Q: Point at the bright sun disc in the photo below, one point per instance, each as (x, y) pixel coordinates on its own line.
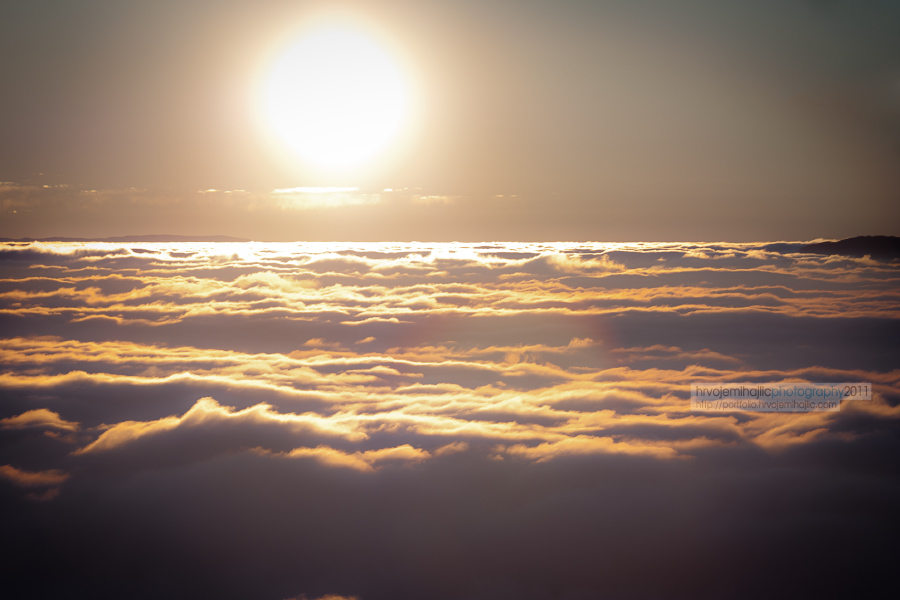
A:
(336, 98)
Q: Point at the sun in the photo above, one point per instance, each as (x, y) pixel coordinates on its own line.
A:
(336, 97)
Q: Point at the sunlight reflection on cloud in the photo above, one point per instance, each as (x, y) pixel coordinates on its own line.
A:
(524, 349)
(287, 404)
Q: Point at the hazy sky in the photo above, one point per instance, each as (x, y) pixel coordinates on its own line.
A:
(533, 120)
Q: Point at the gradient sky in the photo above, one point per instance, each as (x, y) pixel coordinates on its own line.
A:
(606, 120)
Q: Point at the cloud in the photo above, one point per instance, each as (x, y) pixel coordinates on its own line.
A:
(581, 444)
(38, 418)
(306, 198)
(403, 420)
(31, 479)
(315, 190)
(417, 199)
(209, 414)
(360, 461)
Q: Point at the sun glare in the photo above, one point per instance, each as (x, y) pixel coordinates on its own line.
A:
(336, 98)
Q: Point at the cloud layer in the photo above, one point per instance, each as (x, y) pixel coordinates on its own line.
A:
(371, 420)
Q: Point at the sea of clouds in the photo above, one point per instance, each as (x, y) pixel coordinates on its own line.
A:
(412, 420)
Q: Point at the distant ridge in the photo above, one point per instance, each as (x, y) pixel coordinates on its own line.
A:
(136, 238)
(879, 247)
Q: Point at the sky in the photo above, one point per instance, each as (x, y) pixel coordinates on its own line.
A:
(495, 246)
(303, 421)
(527, 121)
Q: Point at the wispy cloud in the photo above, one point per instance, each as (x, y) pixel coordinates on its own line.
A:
(315, 190)
(32, 478)
(417, 199)
(304, 198)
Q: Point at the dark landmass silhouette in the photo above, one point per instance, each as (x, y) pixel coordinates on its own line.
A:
(136, 238)
(879, 247)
